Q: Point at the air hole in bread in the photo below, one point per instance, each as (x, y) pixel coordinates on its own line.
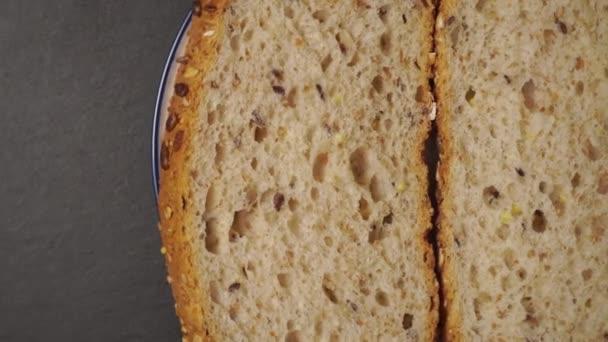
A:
(558, 200)
(214, 292)
(294, 225)
(407, 321)
(579, 88)
(330, 294)
(212, 238)
(377, 188)
(490, 195)
(354, 60)
(364, 209)
(260, 133)
(542, 187)
(480, 4)
(241, 224)
(292, 203)
(359, 165)
(291, 100)
(508, 257)
(376, 233)
(326, 62)
(284, 279)
(289, 12)
(211, 117)
(321, 15)
(378, 84)
(211, 199)
(590, 150)
(602, 183)
(419, 94)
(587, 274)
(382, 12)
(319, 167)
(469, 95)
(220, 153)
(575, 181)
(293, 336)
(382, 298)
(521, 273)
(539, 222)
(248, 35)
(345, 42)
(503, 232)
(386, 43)
(235, 43)
(528, 90)
(314, 193)
(388, 124)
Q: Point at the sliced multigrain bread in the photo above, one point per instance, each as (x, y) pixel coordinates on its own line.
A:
(523, 125)
(293, 194)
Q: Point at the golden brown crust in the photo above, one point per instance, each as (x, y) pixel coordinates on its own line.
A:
(446, 152)
(177, 232)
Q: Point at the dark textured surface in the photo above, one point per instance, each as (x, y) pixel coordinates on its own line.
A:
(79, 247)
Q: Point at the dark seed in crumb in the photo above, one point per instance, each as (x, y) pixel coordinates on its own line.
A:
(210, 8)
(404, 19)
(181, 89)
(320, 91)
(388, 219)
(234, 286)
(451, 20)
(278, 201)
(457, 242)
(214, 85)
(520, 172)
(407, 321)
(196, 8)
(508, 79)
(164, 156)
(279, 90)
(354, 306)
(172, 122)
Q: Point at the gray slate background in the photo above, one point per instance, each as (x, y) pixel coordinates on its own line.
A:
(79, 248)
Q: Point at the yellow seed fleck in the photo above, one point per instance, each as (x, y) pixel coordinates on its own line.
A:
(505, 218)
(515, 210)
(163, 250)
(190, 72)
(401, 187)
(338, 99)
(340, 139)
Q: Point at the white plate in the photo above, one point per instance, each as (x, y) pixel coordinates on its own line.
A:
(165, 91)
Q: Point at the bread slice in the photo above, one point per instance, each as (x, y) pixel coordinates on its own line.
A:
(523, 126)
(293, 194)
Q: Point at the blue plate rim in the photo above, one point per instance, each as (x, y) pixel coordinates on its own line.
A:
(160, 97)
